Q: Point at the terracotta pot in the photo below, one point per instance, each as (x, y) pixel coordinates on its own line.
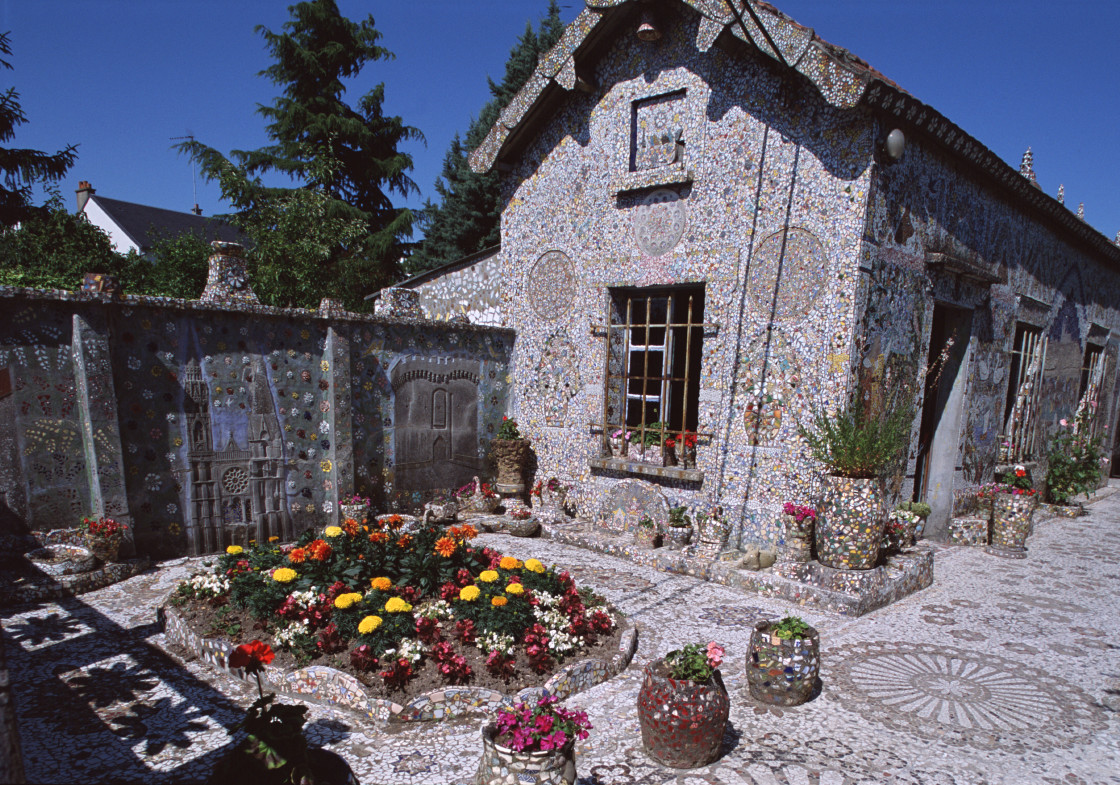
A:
(501, 765)
(108, 549)
(682, 722)
(1012, 515)
(782, 672)
(510, 456)
(850, 523)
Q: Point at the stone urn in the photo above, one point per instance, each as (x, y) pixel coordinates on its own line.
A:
(107, 549)
(678, 536)
(477, 500)
(797, 547)
(850, 522)
(1012, 515)
(510, 456)
(441, 512)
(782, 671)
(712, 530)
(682, 722)
(62, 559)
(501, 765)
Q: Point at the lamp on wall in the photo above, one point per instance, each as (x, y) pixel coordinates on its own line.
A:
(895, 144)
(647, 26)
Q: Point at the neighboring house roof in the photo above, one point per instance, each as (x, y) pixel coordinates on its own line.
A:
(843, 80)
(138, 226)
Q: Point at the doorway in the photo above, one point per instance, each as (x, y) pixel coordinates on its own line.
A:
(942, 410)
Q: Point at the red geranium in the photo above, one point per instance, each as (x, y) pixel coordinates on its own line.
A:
(252, 656)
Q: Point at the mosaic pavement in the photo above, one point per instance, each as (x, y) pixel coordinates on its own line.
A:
(1001, 672)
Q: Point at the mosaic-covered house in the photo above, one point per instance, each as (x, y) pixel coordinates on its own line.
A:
(715, 220)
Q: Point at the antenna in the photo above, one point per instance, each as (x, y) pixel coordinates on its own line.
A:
(194, 171)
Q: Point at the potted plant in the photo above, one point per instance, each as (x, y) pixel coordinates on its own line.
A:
(1074, 462)
(522, 523)
(355, 507)
(905, 522)
(688, 451)
(669, 451)
(104, 537)
(921, 511)
(620, 443)
(1012, 512)
(798, 521)
(679, 530)
(857, 445)
(532, 744)
(510, 453)
(477, 496)
(649, 443)
(646, 534)
(713, 527)
(683, 707)
(783, 663)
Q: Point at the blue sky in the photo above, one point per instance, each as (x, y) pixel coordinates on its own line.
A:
(121, 77)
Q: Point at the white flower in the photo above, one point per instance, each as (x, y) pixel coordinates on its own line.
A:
(245, 360)
(171, 416)
(290, 374)
(153, 482)
(308, 398)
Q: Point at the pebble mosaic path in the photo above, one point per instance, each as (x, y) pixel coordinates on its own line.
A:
(1003, 671)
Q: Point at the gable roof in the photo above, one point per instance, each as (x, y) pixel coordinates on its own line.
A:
(145, 225)
(843, 80)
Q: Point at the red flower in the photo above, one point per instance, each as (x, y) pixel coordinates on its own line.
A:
(252, 656)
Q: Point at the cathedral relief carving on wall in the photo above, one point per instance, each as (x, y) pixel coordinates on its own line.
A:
(236, 493)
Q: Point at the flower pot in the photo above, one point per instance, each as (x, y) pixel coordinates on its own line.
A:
(501, 765)
(782, 672)
(1012, 514)
(359, 512)
(798, 545)
(688, 457)
(646, 537)
(510, 456)
(669, 455)
(619, 447)
(850, 523)
(107, 549)
(678, 536)
(713, 531)
(682, 722)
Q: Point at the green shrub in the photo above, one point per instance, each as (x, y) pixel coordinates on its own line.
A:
(856, 442)
(1075, 463)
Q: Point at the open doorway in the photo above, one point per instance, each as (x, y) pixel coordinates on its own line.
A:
(942, 407)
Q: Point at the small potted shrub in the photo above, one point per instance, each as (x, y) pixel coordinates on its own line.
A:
(783, 663)
(620, 443)
(510, 452)
(1012, 513)
(649, 443)
(683, 707)
(646, 534)
(104, 537)
(798, 523)
(679, 530)
(532, 743)
(916, 521)
(355, 507)
(1074, 462)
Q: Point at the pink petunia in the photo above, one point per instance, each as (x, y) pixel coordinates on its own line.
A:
(715, 654)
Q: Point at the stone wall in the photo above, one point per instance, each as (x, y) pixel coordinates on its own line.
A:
(206, 424)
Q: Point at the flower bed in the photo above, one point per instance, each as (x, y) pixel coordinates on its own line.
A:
(401, 613)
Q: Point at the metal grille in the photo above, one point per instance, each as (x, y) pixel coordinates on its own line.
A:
(1027, 362)
(652, 363)
(1088, 404)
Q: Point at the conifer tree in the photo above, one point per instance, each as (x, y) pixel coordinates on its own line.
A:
(466, 220)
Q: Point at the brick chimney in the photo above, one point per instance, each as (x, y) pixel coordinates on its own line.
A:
(85, 191)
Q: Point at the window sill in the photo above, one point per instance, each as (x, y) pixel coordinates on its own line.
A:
(649, 469)
(651, 178)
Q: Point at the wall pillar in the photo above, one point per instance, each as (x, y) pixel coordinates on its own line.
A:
(339, 416)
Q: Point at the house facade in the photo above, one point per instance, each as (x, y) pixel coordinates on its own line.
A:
(705, 230)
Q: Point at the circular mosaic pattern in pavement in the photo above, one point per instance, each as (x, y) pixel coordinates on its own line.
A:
(962, 697)
(734, 615)
(800, 258)
(605, 578)
(659, 222)
(552, 285)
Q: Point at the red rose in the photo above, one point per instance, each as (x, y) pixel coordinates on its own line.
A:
(252, 656)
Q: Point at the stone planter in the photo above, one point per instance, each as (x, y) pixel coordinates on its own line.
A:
(107, 549)
(441, 513)
(850, 523)
(782, 672)
(646, 537)
(479, 503)
(798, 545)
(712, 531)
(1012, 514)
(62, 559)
(678, 536)
(682, 722)
(511, 457)
(358, 512)
(502, 766)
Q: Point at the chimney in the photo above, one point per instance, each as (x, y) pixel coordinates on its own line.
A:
(197, 210)
(85, 191)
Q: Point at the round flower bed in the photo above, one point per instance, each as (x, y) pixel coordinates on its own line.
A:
(400, 612)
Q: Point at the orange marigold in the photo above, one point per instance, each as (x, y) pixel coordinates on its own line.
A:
(319, 550)
(404, 541)
(468, 532)
(376, 537)
(350, 526)
(509, 563)
(297, 555)
(394, 522)
(445, 546)
(498, 601)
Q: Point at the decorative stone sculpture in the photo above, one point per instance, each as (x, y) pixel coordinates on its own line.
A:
(228, 281)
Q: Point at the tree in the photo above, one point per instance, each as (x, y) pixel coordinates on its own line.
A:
(23, 168)
(467, 218)
(337, 233)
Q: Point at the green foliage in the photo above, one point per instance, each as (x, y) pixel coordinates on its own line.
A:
(336, 234)
(921, 509)
(790, 627)
(1017, 478)
(858, 441)
(466, 219)
(508, 430)
(53, 249)
(1075, 464)
(690, 663)
(678, 518)
(21, 169)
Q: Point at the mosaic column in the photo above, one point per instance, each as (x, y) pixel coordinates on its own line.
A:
(97, 412)
(339, 416)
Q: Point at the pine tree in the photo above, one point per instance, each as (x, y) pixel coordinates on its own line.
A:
(338, 233)
(22, 168)
(467, 218)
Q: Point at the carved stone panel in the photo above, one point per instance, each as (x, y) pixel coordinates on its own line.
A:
(436, 417)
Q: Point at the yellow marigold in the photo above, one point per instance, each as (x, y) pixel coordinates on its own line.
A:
(488, 576)
(515, 588)
(498, 601)
(284, 575)
(381, 583)
(369, 624)
(273, 539)
(533, 565)
(469, 593)
(332, 531)
(509, 563)
(233, 550)
(346, 600)
(397, 605)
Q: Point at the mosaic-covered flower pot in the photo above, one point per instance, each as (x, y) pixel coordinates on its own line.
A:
(678, 536)
(1011, 523)
(502, 766)
(358, 512)
(850, 523)
(688, 457)
(797, 547)
(682, 722)
(713, 531)
(780, 671)
(107, 549)
(669, 455)
(646, 537)
(511, 457)
(479, 503)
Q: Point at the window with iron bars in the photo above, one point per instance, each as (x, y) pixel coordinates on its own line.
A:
(1028, 358)
(654, 341)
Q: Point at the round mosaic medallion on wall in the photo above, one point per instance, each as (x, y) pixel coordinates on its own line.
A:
(963, 697)
(551, 285)
(804, 273)
(659, 222)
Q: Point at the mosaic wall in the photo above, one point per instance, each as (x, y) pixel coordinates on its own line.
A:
(211, 425)
(472, 290)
